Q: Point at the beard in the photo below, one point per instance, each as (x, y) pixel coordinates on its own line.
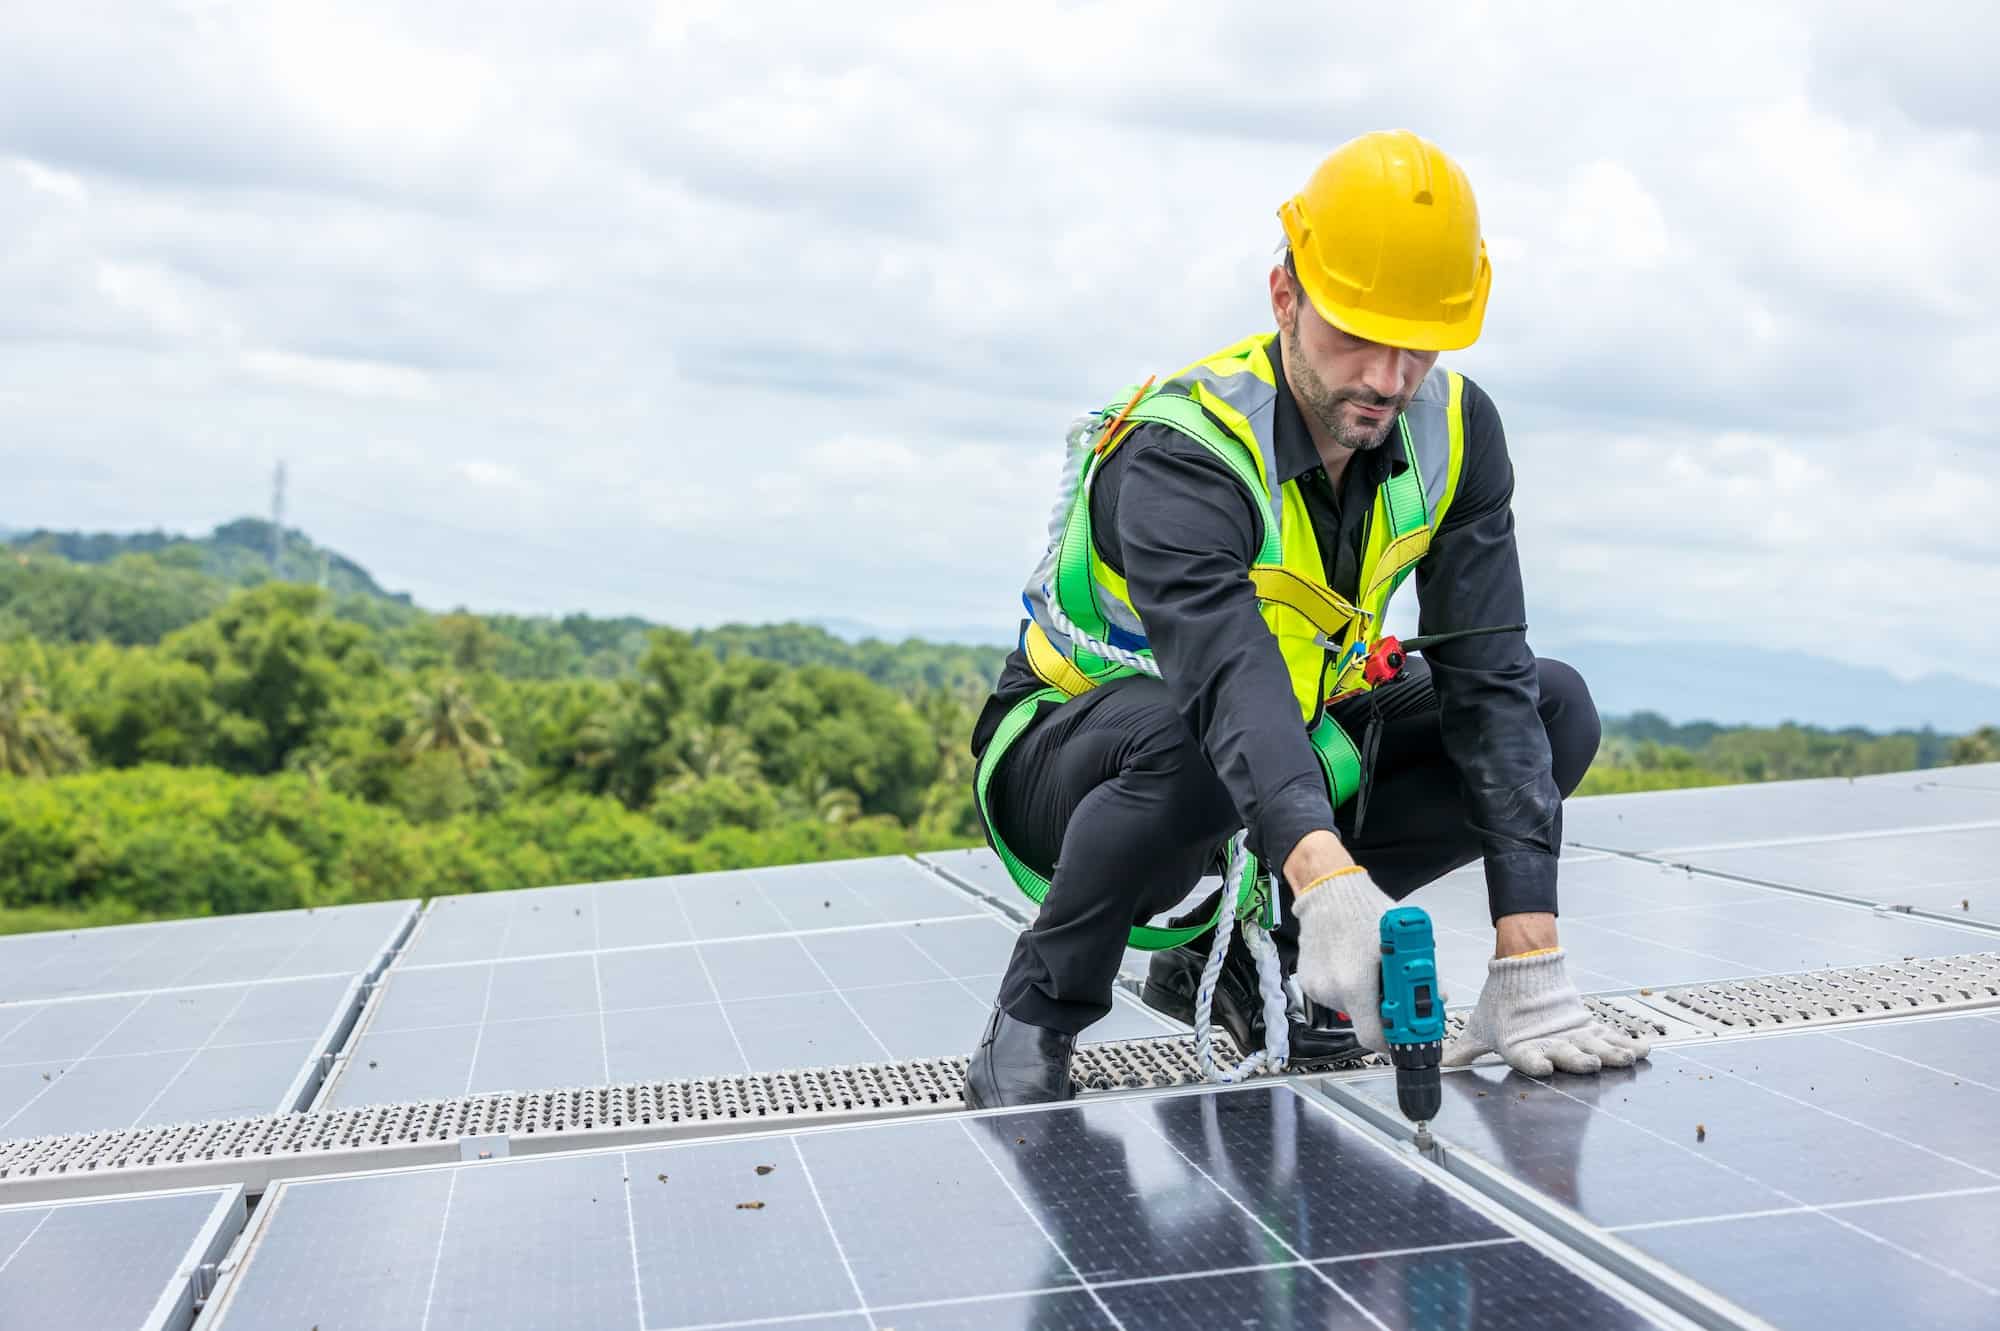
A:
(1324, 404)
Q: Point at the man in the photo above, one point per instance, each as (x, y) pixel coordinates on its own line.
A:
(1219, 576)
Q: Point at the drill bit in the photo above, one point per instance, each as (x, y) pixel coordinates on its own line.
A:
(1423, 1141)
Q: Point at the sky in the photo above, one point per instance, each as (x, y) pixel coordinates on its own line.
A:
(747, 311)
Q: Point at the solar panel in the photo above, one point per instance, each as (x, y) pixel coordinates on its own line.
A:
(1629, 924)
(1842, 1177)
(1716, 816)
(166, 1057)
(761, 1000)
(128, 1262)
(981, 870)
(1952, 873)
(1191, 1210)
(641, 911)
(134, 958)
(1971, 776)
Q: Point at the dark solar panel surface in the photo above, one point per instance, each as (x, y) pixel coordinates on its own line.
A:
(1185, 1211)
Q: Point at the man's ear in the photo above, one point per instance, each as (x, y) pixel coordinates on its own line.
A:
(1284, 298)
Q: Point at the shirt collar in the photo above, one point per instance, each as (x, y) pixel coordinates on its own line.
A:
(1293, 446)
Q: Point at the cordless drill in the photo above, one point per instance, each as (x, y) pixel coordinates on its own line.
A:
(1413, 1015)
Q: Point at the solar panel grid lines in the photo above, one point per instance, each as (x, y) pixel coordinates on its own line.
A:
(85, 1065)
(509, 1016)
(1275, 1236)
(1069, 1263)
(1836, 1177)
(1004, 1218)
(697, 907)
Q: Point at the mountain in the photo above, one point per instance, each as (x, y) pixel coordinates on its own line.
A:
(1717, 682)
(237, 552)
(1735, 685)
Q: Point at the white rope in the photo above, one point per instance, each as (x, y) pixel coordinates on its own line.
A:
(1270, 984)
(1077, 448)
(1145, 665)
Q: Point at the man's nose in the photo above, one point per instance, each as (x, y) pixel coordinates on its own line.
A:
(1382, 373)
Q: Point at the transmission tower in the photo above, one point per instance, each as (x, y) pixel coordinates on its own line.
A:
(278, 524)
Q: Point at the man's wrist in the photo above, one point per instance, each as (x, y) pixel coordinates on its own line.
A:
(1516, 935)
(1317, 854)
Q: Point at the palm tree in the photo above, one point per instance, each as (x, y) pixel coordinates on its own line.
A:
(620, 750)
(1981, 746)
(834, 804)
(34, 741)
(446, 720)
(717, 751)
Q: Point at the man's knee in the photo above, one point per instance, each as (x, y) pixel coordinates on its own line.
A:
(1571, 718)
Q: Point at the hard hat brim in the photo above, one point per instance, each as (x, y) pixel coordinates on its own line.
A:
(1407, 334)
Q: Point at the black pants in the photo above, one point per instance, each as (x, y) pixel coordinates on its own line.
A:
(1119, 767)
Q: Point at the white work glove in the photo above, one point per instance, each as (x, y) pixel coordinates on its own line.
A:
(1531, 1015)
(1340, 948)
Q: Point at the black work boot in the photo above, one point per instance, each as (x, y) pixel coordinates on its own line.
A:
(1320, 1037)
(1018, 1064)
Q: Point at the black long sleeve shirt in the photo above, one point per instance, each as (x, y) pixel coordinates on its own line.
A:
(1183, 531)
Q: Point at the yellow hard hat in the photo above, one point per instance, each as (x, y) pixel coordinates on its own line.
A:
(1385, 236)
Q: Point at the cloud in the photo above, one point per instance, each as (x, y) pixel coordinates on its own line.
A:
(61, 184)
(335, 374)
(756, 310)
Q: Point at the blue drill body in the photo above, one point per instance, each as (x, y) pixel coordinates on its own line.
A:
(1413, 1011)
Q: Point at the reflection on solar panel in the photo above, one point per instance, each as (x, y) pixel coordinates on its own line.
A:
(1834, 1178)
(1836, 1175)
(110, 1264)
(1183, 1211)
(1714, 816)
(815, 965)
(231, 949)
(1628, 923)
(1955, 874)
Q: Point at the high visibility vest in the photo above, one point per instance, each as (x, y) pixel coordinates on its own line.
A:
(1079, 607)
(1226, 402)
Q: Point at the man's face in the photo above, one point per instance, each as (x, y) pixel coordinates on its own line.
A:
(1351, 388)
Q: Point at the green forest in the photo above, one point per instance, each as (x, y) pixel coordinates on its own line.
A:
(190, 727)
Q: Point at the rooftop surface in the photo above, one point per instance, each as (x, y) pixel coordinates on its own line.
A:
(732, 1100)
